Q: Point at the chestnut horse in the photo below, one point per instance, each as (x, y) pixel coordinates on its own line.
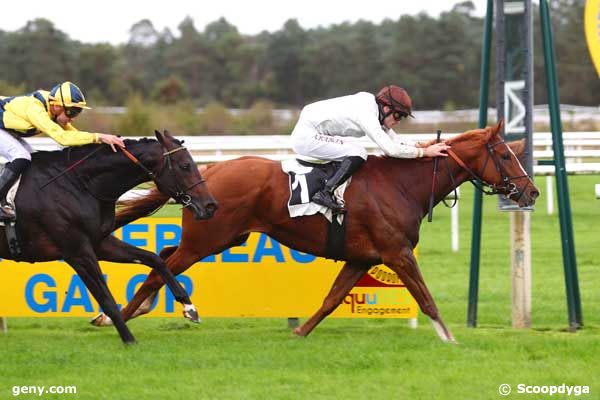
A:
(386, 203)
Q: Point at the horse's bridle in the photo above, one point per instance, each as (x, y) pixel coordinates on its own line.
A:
(507, 188)
(180, 195)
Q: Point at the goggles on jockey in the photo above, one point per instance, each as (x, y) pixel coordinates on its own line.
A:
(72, 112)
(399, 115)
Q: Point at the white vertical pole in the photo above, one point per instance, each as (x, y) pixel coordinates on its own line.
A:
(413, 323)
(549, 195)
(3, 324)
(521, 269)
(454, 229)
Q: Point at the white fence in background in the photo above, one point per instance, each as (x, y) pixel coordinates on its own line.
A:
(541, 114)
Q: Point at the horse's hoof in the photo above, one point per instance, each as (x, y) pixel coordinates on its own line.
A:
(191, 314)
(451, 340)
(298, 332)
(101, 320)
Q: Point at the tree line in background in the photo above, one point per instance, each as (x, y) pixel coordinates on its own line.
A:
(436, 59)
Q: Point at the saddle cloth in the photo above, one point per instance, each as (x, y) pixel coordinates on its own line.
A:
(304, 182)
(10, 197)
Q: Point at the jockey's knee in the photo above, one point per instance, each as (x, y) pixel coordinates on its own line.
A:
(18, 165)
(362, 153)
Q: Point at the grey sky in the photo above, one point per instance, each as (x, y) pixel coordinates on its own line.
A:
(110, 20)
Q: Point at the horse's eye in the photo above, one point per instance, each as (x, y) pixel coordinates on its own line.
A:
(506, 156)
(185, 167)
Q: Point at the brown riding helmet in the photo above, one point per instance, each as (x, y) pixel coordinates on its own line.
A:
(396, 98)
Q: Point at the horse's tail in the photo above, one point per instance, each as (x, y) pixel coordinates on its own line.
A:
(139, 207)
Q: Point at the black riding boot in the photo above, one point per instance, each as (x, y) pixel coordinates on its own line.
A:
(325, 197)
(8, 177)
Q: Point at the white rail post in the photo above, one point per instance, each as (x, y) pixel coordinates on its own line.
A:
(3, 324)
(521, 269)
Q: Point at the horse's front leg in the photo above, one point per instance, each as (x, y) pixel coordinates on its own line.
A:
(115, 250)
(84, 262)
(345, 281)
(405, 266)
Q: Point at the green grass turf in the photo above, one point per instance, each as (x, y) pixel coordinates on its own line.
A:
(350, 358)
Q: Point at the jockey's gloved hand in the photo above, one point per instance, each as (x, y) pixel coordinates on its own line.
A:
(111, 140)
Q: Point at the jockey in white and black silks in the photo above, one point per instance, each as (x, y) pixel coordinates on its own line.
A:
(40, 112)
(323, 128)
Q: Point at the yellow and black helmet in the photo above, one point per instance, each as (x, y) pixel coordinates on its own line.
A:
(67, 94)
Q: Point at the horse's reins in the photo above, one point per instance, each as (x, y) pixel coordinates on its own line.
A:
(180, 196)
(435, 165)
(431, 198)
(508, 189)
(137, 162)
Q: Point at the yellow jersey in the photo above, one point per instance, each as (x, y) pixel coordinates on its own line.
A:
(29, 115)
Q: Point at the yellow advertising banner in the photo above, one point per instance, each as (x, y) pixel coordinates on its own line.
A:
(261, 278)
(592, 31)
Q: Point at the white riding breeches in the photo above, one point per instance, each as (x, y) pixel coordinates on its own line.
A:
(308, 142)
(13, 146)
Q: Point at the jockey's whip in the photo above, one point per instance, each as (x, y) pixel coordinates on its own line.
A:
(435, 164)
(76, 163)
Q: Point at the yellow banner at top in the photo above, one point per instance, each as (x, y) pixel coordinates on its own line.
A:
(592, 31)
(260, 278)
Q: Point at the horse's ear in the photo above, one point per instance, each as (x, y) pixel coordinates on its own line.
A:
(493, 130)
(167, 135)
(498, 127)
(160, 137)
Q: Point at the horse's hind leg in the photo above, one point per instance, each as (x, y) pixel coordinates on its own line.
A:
(115, 250)
(345, 281)
(406, 267)
(178, 262)
(86, 266)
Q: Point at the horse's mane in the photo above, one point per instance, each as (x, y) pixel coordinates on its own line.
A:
(474, 136)
(76, 152)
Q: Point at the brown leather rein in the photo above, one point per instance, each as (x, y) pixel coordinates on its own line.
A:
(180, 196)
(508, 188)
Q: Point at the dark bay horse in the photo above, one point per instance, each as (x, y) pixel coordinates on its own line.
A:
(386, 202)
(72, 215)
